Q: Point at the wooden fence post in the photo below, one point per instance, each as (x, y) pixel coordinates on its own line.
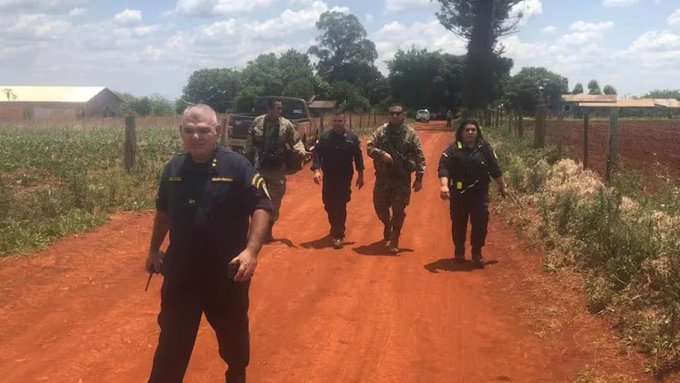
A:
(539, 127)
(613, 138)
(350, 120)
(586, 119)
(520, 128)
(223, 133)
(130, 143)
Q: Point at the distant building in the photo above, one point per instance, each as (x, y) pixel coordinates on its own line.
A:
(574, 105)
(57, 102)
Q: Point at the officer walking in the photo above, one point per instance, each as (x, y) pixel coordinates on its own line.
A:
(396, 152)
(333, 154)
(216, 208)
(270, 139)
(465, 169)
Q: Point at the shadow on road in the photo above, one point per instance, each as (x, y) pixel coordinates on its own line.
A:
(320, 243)
(448, 264)
(285, 241)
(379, 248)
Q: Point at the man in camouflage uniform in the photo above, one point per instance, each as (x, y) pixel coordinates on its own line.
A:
(270, 139)
(396, 152)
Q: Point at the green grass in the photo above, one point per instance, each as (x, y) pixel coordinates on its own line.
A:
(623, 237)
(57, 180)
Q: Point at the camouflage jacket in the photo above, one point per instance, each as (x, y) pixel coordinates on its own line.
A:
(289, 140)
(403, 145)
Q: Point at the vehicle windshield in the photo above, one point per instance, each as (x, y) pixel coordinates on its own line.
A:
(292, 109)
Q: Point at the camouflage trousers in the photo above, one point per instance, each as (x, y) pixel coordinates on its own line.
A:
(276, 185)
(392, 194)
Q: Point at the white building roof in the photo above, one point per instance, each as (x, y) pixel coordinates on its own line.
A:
(10, 93)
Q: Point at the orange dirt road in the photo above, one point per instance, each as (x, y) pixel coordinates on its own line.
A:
(77, 312)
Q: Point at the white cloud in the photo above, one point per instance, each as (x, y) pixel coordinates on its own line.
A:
(129, 17)
(220, 7)
(76, 12)
(40, 27)
(430, 35)
(674, 19)
(585, 33)
(549, 29)
(39, 6)
(528, 9)
(618, 3)
(400, 5)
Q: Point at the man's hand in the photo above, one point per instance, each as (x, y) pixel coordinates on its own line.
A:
(360, 181)
(247, 262)
(154, 262)
(317, 177)
(503, 190)
(387, 158)
(417, 185)
(444, 193)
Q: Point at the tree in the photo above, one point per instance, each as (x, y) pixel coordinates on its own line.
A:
(345, 54)
(349, 97)
(481, 22)
(524, 89)
(288, 75)
(578, 88)
(422, 79)
(609, 90)
(216, 87)
(663, 93)
(594, 87)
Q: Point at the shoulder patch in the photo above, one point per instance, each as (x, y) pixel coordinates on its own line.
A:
(174, 179)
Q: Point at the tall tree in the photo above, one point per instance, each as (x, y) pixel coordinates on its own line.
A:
(526, 88)
(481, 22)
(594, 87)
(578, 88)
(216, 87)
(345, 54)
(423, 79)
(608, 89)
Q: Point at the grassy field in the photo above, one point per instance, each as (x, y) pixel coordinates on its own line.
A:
(58, 179)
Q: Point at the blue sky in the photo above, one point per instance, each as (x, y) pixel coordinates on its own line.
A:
(145, 47)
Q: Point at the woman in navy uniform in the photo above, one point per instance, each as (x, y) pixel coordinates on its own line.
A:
(465, 171)
(216, 209)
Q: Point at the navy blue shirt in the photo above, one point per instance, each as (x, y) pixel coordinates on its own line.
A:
(210, 205)
(469, 169)
(334, 153)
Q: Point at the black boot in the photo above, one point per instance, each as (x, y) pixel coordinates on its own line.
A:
(394, 244)
(477, 258)
(236, 375)
(387, 231)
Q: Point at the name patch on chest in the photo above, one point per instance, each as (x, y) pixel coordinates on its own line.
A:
(222, 179)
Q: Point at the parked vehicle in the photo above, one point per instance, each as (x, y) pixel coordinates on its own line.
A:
(423, 115)
(294, 109)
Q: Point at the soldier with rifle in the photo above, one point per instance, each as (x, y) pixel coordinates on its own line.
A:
(396, 152)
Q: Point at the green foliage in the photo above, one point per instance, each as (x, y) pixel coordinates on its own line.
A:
(608, 89)
(663, 93)
(152, 105)
(216, 87)
(345, 54)
(594, 87)
(422, 79)
(524, 89)
(481, 23)
(349, 97)
(55, 181)
(578, 88)
(621, 237)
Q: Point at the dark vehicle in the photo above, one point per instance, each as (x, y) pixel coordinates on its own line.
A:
(294, 109)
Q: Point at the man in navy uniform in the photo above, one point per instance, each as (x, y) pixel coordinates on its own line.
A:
(333, 155)
(216, 209)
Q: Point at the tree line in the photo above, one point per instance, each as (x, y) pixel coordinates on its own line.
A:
(345, 70)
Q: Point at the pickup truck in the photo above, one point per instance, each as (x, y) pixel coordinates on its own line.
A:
(294, 109)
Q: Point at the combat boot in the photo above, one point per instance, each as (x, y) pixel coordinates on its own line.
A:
(477, 259)
(387, 231)
(394, 245)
